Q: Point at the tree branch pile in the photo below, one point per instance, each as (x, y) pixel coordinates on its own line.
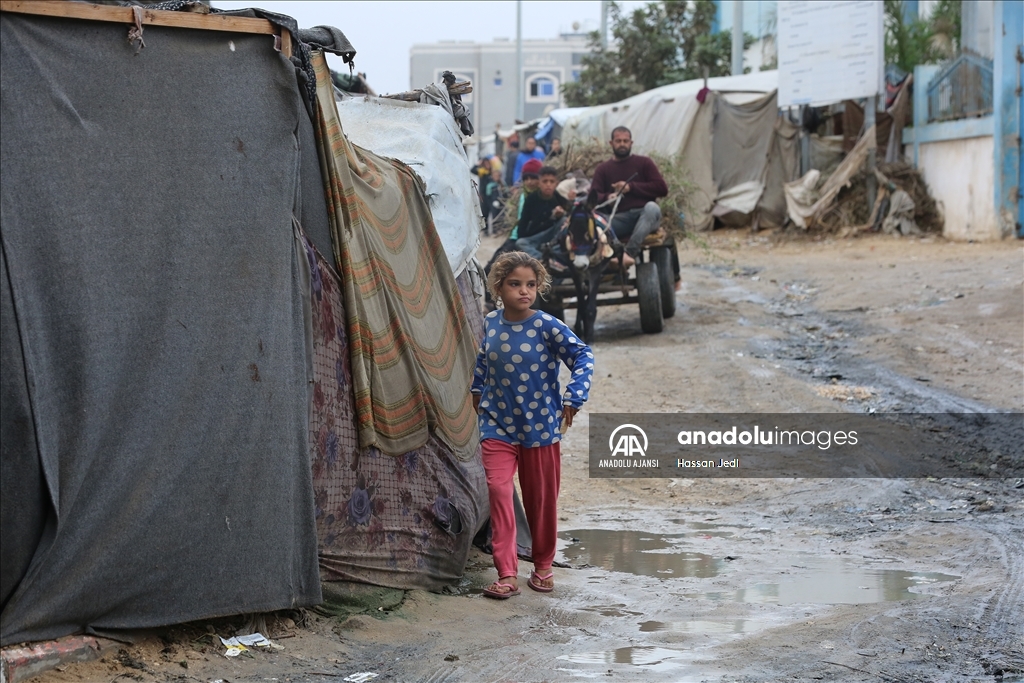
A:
(851, 209)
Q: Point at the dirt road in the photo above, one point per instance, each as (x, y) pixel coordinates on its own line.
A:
(752, 580)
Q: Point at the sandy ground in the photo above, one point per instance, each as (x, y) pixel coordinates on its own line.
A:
(746, 579)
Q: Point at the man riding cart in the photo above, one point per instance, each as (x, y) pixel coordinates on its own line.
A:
(597, 250)
(637, 181)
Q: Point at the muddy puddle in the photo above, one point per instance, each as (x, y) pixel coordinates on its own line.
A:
(711, 529)
(618, 610)
(835, 583)
(638, 552)
(812, 580)
(646, 657)
(721, 627)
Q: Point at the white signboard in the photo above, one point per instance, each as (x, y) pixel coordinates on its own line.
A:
(830, 50)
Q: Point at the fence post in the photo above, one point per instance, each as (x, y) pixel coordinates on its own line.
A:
(869, 122)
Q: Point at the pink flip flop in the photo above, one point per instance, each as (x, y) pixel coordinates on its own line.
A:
(535, 579)
(500, 594)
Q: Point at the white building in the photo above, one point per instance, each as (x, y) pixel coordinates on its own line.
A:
(547, 65)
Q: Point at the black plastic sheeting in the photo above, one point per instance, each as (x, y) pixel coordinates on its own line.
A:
(153, 372)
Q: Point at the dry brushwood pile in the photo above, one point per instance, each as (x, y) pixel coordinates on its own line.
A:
(580, 159)
(676, 206)
(851, 206)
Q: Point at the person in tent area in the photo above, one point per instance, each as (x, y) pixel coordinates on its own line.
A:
(482, 171)
(556, 149)
(638, 181)
(510, 159)
(542, 214)
(493, 193)
(531, 152)
(530, 186)
(523, 414)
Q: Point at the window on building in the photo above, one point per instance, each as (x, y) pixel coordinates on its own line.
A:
(542, 88)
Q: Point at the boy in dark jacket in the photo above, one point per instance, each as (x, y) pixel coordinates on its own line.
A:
(542, 214)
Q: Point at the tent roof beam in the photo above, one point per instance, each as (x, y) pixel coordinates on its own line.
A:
(150, 17)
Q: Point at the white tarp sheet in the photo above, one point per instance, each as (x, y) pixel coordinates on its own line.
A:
(560, 116)
(661, 119)
(427, 139)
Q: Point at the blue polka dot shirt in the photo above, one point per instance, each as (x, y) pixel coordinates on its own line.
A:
(517, 378)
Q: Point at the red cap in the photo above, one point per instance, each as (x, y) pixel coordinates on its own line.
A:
(532, 167)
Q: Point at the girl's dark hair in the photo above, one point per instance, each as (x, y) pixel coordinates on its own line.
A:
(508, 262)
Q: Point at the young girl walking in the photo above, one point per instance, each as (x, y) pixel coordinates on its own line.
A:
(522, 412)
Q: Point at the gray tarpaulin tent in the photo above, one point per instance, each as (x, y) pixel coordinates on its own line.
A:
(736, 148)
(156, 363)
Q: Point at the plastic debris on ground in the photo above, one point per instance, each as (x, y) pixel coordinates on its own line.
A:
(361, 677)
(239, 644)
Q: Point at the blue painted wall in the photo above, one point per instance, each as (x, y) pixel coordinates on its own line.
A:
(1007, 80)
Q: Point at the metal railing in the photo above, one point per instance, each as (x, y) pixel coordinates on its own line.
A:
(962, 89)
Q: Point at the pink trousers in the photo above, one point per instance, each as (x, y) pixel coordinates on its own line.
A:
(540, 471)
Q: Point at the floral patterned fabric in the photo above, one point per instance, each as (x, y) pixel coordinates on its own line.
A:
(398, 521)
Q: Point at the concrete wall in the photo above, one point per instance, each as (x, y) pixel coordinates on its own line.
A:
(960, 175)
(976, 19)
(972, 165)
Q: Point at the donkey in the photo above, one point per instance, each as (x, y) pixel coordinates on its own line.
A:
(582, 250)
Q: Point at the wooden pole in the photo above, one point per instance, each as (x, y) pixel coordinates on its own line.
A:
(150, 17)
(869, 125)
(457, 88)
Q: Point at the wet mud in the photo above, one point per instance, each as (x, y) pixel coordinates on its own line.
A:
(744, 579)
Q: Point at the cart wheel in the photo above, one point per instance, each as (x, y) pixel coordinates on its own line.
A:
(663, 258)
(552, 306)
(649, 292)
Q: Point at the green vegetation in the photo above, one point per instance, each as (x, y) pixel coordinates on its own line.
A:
(681, 188)
(654, 45)
(670, 41)
(921, 41)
